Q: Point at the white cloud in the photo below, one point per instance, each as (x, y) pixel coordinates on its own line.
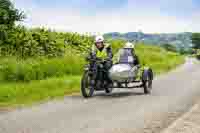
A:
(195, 22)
(127, 19)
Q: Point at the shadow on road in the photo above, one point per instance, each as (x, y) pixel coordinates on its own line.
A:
(118, 94)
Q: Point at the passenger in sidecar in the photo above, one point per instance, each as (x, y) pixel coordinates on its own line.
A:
(127, 55)
(126, 70)
(126, 65)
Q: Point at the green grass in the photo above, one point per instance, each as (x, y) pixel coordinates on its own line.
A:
(158, 59)
(12, 69)
(15, 94)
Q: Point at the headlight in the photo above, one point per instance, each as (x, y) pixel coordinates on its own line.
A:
(86, 67)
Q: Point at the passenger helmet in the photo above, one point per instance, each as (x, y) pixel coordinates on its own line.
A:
(129, 45)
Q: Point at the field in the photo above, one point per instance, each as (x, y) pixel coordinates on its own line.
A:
(158, 59)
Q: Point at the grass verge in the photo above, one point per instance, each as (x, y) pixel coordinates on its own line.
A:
(15, 94)
(13, 69)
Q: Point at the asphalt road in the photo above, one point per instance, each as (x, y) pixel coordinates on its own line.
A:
(123, 111)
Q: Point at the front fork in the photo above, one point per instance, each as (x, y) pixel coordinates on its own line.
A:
(97, 77)
(92, 73)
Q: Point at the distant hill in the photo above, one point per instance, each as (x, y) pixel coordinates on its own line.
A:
(179, 40)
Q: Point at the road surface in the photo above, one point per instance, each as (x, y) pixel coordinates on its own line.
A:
(124, 111)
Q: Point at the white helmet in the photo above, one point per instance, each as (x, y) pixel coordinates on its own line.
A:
(99, 39)
(129, 45)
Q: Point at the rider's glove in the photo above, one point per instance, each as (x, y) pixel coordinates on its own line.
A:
(108, 59)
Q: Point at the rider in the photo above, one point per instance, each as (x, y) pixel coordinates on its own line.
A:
(103, 51)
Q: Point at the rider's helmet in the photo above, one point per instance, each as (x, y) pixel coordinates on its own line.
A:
(129, 45)
(99, 39)
(99, 42)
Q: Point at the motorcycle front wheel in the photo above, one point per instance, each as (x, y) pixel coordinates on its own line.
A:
(87, 89)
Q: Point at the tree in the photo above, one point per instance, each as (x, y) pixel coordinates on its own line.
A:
(9, 15)
(196, 40)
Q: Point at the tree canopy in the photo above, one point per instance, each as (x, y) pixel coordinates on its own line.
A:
(196, 40)
(9, 15)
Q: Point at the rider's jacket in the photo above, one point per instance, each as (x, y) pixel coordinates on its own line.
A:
(105, 53)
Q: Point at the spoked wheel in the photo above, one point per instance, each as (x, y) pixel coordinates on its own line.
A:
(86, 87)
(147, 84)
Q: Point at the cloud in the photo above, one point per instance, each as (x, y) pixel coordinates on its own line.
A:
(195, 21)
(129, 17)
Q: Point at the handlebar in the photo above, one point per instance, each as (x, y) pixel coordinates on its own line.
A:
(98, 60)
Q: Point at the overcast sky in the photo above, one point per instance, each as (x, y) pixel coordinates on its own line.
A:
(150, 16)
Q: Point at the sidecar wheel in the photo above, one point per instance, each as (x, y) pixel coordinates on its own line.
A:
(147, 79)
(86, 88)
(147, 84)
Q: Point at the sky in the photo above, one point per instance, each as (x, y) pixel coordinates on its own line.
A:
(101, 16)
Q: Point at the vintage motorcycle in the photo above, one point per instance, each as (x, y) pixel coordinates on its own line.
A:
(94, 78)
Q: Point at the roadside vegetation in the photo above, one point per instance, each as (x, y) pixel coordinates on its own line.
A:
(158, 58)
(36, 64)
(26, 93)
(196, 45)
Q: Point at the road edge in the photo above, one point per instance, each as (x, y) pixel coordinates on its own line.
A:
(180, 124)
